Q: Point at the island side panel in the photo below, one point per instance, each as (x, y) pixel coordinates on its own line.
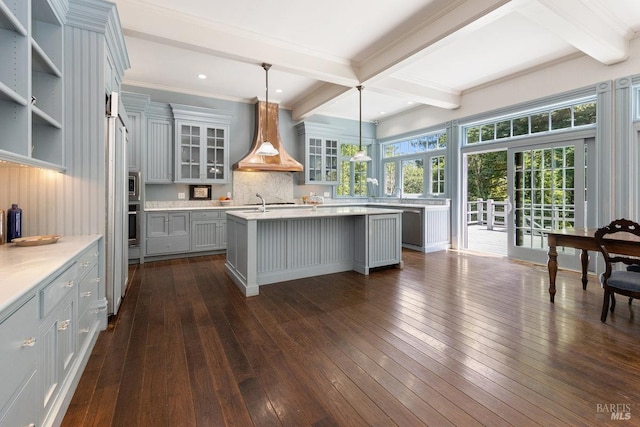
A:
(241, 254)
(385, 240)
(291, 249)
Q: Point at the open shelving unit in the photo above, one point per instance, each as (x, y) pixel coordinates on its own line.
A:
(31, 84)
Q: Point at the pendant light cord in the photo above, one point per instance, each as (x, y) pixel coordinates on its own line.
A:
(266, 69)
(360, 95)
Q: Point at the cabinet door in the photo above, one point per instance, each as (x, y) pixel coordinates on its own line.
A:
(201, 152)
(179, 224)
(157, 224)
(58, 350)
(18, 349)
(159, 151)
(208, 235)
(135, 141)
(216, 154)
(322, 160)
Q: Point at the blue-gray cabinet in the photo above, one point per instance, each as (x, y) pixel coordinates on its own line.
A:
(168, 233)
(159, 144)
(47, 335)
(201, 144)
(208, 230)
(322, 145)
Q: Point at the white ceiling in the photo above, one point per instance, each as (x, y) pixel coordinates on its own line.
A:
(405, 53)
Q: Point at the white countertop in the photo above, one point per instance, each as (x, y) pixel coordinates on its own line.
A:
(309, 211)
(397, 205)
(23, 268)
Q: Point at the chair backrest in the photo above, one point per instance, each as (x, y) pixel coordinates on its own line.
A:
(607, 248)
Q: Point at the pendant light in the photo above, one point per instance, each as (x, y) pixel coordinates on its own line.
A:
(266, 148)
(360, 156)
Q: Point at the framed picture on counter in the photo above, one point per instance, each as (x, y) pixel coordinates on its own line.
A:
(199, 192)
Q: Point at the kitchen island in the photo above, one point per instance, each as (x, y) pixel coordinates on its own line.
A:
(286, 244)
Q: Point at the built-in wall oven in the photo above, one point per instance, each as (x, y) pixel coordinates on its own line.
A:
(134, 224)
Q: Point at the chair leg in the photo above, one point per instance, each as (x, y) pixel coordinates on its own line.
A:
(613, 301)
(630, 299)
(605, 305)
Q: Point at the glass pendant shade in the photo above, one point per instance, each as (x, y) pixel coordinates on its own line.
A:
(267, 149)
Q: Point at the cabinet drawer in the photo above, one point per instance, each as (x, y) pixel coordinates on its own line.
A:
(205, 215)
(88, 290)
(18, 349)
(22, 411)
(86, 323)
(168, 245)
(87, 260)
(55, 291)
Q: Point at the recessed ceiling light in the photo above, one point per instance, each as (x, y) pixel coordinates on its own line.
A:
(382, 112)
(278, 90)
(410, 102)
(202, 76)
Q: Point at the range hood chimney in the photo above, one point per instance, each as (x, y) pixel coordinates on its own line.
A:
(266, 129)
(281, 162)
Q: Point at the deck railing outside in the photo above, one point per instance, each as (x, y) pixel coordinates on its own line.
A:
(487, 212)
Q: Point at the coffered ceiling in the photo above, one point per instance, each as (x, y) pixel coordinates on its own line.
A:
(406, 53)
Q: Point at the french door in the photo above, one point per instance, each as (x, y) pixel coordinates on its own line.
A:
(546, 184)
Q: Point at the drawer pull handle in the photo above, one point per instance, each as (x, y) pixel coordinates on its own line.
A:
(64, 325)
(32, 425)
(86, 263)
(96, 280)
(68, 284)
(29, 342)
(85, 330)
(86, 294)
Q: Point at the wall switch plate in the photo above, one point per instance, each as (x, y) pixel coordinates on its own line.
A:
(181, 196)
(327, 194)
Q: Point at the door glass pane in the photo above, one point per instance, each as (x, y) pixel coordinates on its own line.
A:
(544, 194)
(190, 151)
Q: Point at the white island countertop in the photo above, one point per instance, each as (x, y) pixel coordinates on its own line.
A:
(309, 211)
(23, 268)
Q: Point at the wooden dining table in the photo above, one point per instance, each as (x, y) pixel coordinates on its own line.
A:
(583, 239)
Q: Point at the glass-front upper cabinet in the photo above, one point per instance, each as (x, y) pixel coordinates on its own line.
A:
(321, 153)
(202, 139)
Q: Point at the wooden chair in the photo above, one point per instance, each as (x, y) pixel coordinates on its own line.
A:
(625, 282)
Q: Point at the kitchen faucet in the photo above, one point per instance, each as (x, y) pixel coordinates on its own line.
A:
(264, 204)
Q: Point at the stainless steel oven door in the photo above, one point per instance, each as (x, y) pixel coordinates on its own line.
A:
(134, 224)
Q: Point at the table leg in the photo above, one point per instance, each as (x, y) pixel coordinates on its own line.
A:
(552, 265)
(584, 258)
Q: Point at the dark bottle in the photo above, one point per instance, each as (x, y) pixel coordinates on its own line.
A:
(14, 223)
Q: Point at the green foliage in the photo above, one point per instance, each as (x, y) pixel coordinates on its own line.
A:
(487, 176)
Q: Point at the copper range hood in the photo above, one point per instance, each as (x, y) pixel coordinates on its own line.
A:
(282, 162)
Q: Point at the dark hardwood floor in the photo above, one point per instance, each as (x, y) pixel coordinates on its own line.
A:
(452, 339)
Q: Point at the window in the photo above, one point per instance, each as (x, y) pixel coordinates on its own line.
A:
(353, 175)
(437, 175)
(413, 177)
(550, 120)
(403, 165)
